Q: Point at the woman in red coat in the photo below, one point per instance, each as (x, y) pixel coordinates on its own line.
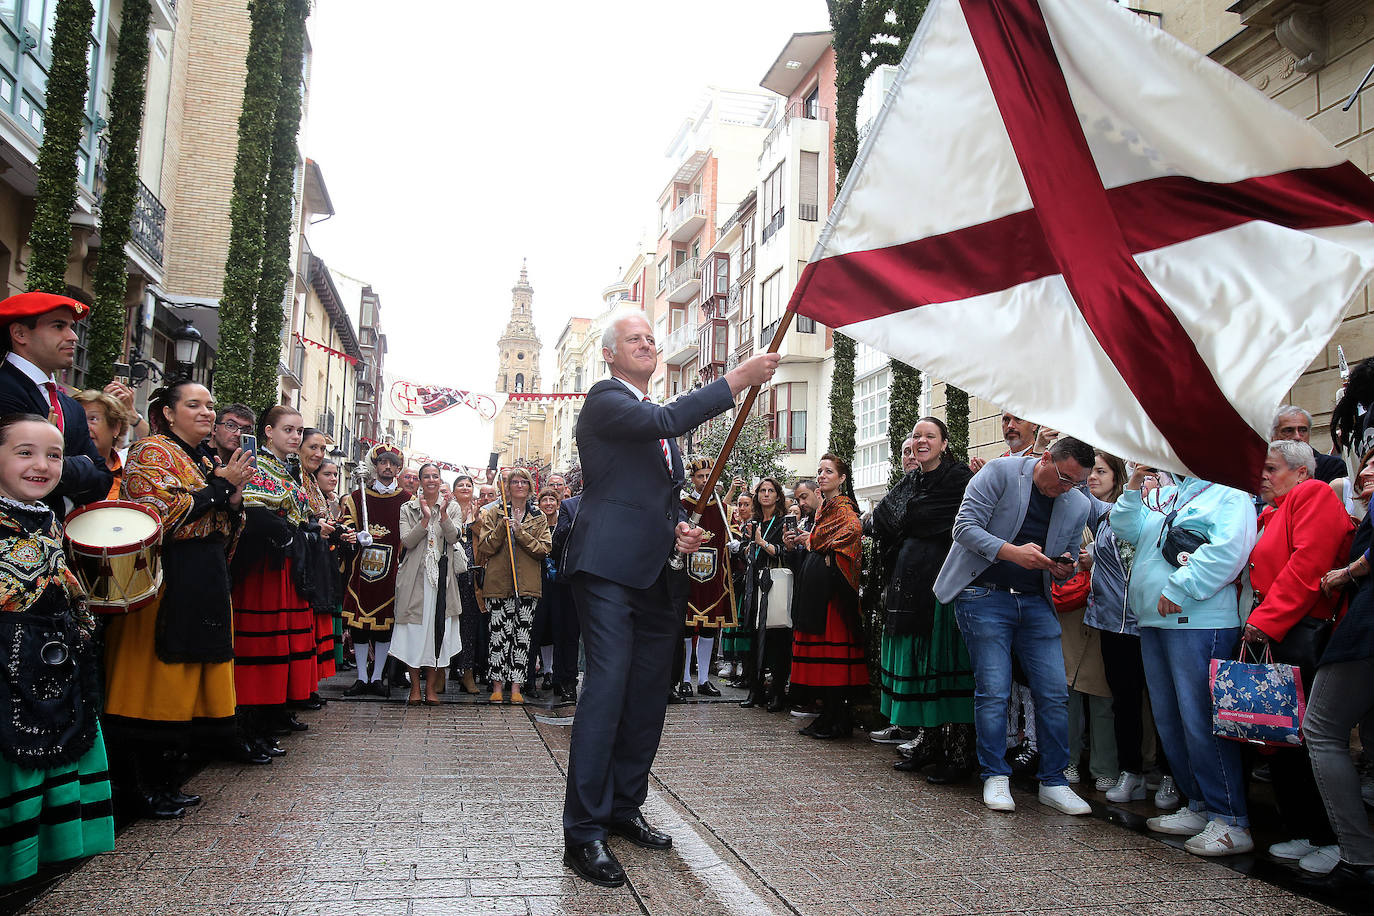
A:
(1304, 532)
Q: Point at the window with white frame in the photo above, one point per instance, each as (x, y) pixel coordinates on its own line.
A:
(789, 415)
(870, 405)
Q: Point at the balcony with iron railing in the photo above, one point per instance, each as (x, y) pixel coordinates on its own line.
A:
(732, 300)
(796, 111)
(684, 282)
(681, 343)
(149, 223)
(687, 219)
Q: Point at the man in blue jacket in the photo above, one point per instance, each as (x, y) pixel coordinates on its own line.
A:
(1017, 530)
(627, 525)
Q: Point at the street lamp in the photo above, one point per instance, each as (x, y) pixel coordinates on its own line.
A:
(186, 341)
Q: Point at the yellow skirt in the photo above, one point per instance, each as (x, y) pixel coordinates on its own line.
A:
(144, 693)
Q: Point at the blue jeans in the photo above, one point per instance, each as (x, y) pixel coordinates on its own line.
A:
(994, 623)
(1177, 673)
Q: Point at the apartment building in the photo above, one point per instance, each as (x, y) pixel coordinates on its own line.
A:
(715, 151)
(328, 356)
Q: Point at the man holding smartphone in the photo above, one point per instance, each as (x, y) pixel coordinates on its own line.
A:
(1017, 531)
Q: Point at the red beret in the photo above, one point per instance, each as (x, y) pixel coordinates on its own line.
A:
(30, 305)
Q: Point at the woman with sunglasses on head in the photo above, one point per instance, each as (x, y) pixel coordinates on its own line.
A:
(425, 634)
(512, 540)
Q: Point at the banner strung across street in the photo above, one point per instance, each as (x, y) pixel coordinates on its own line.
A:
(410, 399)
(1065, 210)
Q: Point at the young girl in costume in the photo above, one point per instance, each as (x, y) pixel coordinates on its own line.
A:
(54, 779)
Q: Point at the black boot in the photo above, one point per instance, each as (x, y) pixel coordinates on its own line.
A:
(926, 749)
(821, 726)
(959, 755)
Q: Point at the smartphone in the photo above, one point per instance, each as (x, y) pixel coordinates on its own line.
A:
(249, 443)
(121, 370)
(1066, 559)
(789, 522)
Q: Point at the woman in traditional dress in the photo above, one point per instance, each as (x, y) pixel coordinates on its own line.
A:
(513, 581)
(471, 625)
(169, 672)
(927, 678)
(54, 780)
(325, 595)
(274, 624)
(763, 553)
(108, 420)
(426, 633)
(827, 633)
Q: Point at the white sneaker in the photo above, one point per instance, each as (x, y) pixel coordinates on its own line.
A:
(893, 734)
(1062, 798)
(1103, 783)
(997, 793)
(1219, 839)
(1129, 787)
(1292, 850)
(1071, 774)
(1181, 823)
(1167, 797)
(1322, 861)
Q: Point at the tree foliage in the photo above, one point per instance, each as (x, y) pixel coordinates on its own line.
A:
(956, 418)
(867, 35)
(278, 210)
(243, 264)
(757, 453)
(50, 237)
(127, 90)
(903, 410)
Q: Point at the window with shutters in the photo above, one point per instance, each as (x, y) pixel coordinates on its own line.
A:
(808, 172)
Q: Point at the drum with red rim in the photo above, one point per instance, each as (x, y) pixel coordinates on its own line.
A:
(114, 548)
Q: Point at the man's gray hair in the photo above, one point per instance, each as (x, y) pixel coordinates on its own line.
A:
(1284, 411)
(609, 338)
(1295, 454)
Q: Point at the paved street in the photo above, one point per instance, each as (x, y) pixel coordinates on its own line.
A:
(380, 809)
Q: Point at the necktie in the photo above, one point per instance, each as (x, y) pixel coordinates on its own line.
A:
(55, 417)
(667, 455)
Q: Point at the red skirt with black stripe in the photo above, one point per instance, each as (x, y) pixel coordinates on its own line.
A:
(833, 659)
(274, 639)
(324, 646)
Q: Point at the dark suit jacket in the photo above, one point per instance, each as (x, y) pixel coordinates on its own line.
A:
(630, 503)
(567, 513)
(85, 478)
(1330, 467)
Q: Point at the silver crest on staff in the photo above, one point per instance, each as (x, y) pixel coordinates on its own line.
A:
(364, 533)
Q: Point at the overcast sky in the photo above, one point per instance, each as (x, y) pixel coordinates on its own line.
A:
(457, 138)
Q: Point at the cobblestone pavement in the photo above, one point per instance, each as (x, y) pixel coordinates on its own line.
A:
(382, 809)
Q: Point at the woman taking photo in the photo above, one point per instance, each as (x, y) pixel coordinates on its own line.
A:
(325, 594)
(274, 624)
(472, 625)
(512, 581)
(763, 553)
(828, 644)
(169, 671)
(927, 678)
(108, 420)
(426, 631)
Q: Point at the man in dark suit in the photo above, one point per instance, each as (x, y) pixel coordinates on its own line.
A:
(39, 331)
(566, 632)
(629, 521)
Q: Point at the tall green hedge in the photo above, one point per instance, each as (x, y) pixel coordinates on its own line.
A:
(903, 410)
(956, 418)
(243, 264)
(278, 209)
(127, 90)
(50, 237)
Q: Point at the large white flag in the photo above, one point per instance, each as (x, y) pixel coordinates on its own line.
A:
(1070, 213)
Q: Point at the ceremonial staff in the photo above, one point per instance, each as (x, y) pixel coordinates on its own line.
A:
(677, 561)
(510, 539)
(364, 533)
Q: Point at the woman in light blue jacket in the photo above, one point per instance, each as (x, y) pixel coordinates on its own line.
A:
(1188, 615)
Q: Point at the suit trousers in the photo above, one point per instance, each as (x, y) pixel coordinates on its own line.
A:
(628, 635)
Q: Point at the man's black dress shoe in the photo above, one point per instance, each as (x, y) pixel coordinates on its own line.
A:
(593, 861)
(684, 689)
(638, 831)
(751, 701)
(270, 747)
(777, 704)
(708, 690)
(674, 699)
(249, 752)
(290, 721)
(179, 799)
(359, 688)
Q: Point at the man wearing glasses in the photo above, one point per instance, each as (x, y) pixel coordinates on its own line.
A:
(1019, 528)
(231, 423)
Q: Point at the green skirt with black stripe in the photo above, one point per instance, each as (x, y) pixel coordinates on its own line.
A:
(928, 680)
(55, 815)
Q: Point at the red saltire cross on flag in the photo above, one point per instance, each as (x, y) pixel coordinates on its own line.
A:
(1070, 213)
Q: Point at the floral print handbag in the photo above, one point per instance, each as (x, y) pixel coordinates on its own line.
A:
(1257, 702)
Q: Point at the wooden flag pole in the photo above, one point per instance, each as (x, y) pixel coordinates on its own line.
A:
(677, 561)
